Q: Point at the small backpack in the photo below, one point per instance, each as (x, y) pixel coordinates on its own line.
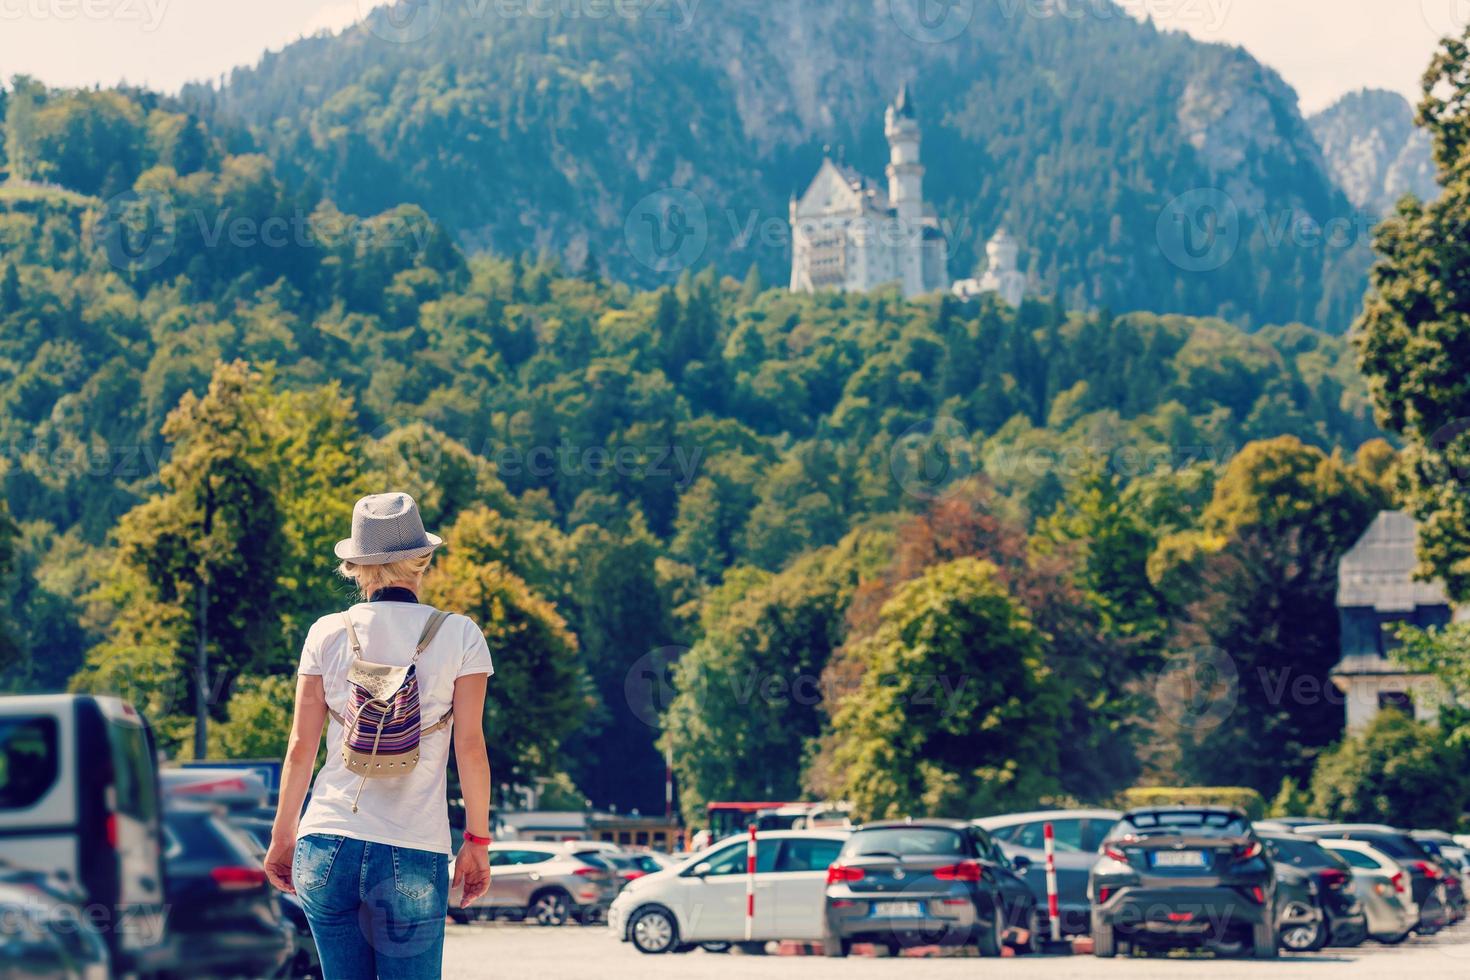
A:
(381, 733)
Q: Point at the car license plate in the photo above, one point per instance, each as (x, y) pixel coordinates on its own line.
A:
(1179, 859)
(897, 910)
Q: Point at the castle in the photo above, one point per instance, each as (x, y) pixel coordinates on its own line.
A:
(852, 235)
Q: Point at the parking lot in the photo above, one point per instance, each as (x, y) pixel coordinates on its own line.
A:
(577, 952)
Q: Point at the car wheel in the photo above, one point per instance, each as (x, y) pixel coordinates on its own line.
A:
(1304, 938)
(992, 936)
(1393, 940)
(715, 947)
(1263, 942)
(654, 930)
(1035, 941)
(550, 908)
(752, 949)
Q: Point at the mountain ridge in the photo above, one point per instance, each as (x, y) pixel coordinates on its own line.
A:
(528, 134)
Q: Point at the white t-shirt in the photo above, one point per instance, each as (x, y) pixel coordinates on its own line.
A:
(405, 811)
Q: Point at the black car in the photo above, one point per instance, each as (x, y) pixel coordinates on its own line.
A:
(1344, 921)
(224, 919)
(305, 961)
(1184, 876)
(1300, 921)
(1426, 878)
(1434, 843)
(928, 882)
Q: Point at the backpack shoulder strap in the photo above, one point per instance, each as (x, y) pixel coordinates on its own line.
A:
(431, 628)
(352, 636)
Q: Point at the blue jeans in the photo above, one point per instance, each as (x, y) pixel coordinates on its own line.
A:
(376, 911)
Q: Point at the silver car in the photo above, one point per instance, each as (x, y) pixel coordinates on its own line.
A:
(539, 882)
(1383, 888)
(1078, 835)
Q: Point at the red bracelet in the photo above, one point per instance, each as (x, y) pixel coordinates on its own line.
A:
(481, 841)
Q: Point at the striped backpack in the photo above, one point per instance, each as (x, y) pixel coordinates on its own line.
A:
(381, 733)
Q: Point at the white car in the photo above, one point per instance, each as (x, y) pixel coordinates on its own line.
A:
(1381, 885)
(702, 899)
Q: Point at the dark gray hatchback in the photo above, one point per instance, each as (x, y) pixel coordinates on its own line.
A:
(928, 882)
(1184, 876)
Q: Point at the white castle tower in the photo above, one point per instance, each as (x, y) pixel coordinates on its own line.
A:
(906, 188)
(849, 235)
(1002, 272)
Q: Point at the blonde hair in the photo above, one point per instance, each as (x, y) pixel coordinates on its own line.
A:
(371, 578)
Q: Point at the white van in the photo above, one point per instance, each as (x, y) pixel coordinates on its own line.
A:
(702, 899)
(79, 800)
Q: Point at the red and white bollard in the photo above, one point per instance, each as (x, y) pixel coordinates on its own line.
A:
(1053, 900)
(750, 885)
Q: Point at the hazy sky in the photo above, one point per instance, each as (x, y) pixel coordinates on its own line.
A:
(1323, 47)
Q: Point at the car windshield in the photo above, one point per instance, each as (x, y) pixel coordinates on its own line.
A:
(1209, 823)
(905, 841)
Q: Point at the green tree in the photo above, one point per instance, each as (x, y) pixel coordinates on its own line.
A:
(1266, 618)
(12, 650)
(1444, 653)
(1398, 771)
(538, 696)
(1414, 332)
(209, 549)
(749, 694)
(955, 713)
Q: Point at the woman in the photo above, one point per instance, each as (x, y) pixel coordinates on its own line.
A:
(369, 859)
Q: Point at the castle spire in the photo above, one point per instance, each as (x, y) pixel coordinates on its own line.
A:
(904, 105)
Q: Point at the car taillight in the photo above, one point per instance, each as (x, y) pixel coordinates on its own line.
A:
(964, 871)
(111, 829)
(1103, 894)
(1333, 877)
(631, 875)
(839, 873)
(1244, 852)
(585, 872)
(1398, 882)
(1116, 853)
(1259, 894)
(237, 879)
(1428, 870)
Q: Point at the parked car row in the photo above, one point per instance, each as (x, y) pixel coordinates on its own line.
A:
(1152, 878)
(553, 883)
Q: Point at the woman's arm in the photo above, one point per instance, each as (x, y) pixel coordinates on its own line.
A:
(306, 737)
(472, 865)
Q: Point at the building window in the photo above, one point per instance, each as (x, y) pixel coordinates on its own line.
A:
(1396, 701)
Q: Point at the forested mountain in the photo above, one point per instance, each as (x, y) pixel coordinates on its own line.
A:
(1139, 169)
(1374, 151)
(607, 461)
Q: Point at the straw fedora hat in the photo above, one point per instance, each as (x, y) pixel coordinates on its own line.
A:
(386, 527)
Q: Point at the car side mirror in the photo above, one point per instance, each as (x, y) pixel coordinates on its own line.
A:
(1022, 863)
(701, 869)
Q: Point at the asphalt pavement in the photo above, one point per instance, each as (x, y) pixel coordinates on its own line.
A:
(590, 953)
